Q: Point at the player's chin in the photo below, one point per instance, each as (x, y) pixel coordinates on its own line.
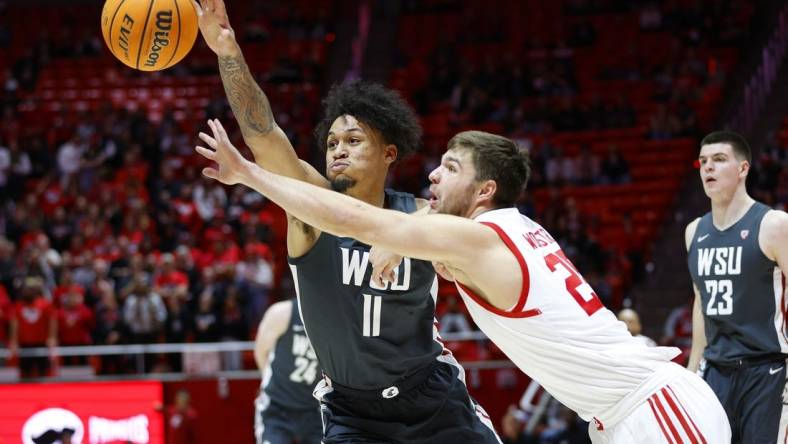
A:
(341, 183)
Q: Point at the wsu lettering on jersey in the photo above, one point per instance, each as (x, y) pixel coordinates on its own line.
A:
(719, 261)
(354, 269)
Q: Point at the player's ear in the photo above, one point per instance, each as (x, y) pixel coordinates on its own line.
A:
(390, 153)
(744, 169)
(487, 190)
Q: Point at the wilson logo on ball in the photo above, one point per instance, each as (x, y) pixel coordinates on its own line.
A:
(161, 37)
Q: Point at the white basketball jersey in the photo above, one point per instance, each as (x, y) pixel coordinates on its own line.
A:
(561, 335)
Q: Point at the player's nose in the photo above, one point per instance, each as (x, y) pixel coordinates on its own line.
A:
(434, 176)
(339, 152)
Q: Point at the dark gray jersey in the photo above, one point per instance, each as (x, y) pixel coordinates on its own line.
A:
(366, 337)
(742, 291)
(292, 370)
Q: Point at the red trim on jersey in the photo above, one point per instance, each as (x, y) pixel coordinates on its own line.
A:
(517, 311)
(697, 430)
(667, 419)
(680, 416)
(659, 420)
(520, 259)
(784, 308)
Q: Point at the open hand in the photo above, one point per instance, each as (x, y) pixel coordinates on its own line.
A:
(231, 165)
(215, 27)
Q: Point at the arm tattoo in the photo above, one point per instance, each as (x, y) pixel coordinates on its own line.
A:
(247, 100)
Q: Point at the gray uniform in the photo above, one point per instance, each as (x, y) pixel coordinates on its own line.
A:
(375, 344)
(742, 298)
(285, 409)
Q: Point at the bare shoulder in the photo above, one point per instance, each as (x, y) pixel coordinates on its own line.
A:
(774, 232)
(277, 314)
(689, 232)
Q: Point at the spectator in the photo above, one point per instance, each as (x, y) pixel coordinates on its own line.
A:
(69, 158)
(5, 169)
(232, 327)
(206, 323)
(143, 312)
(170, 282)
(209, 199)
(33, 324)
(109, 326)
(454, 320)
(6, 312)
(632, 320)
(254, 276)
(181, 420)
(9, 263)
(678, 328)
(75, 323)
(663, 124)
(588, 167)
(178, 328)
(614, 169)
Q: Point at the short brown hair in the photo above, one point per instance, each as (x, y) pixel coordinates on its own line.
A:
(737, 142)
(496, 158)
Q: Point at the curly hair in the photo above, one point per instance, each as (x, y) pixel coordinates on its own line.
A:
(382, 109)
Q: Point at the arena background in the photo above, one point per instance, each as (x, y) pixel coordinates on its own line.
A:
(99, 183)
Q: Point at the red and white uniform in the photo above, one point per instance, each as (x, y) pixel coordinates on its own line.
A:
(561, 335)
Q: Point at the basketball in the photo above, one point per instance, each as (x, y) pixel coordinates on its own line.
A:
(149, 35)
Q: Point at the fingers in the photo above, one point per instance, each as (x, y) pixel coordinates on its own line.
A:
(218, 5)
(197, 7)
(220, 130)
(387, 273)
(376, 279)
(208, 139)
(211, 173)
(205, 152)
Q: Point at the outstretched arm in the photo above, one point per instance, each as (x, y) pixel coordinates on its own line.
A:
(269, 144)
(432, 237)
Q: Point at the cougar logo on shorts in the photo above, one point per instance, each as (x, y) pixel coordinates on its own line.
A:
(50, 426)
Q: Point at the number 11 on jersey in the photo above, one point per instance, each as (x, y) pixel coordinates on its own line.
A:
(372, 307)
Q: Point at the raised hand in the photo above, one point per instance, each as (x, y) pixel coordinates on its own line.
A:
(215, 27)
(231, 168)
